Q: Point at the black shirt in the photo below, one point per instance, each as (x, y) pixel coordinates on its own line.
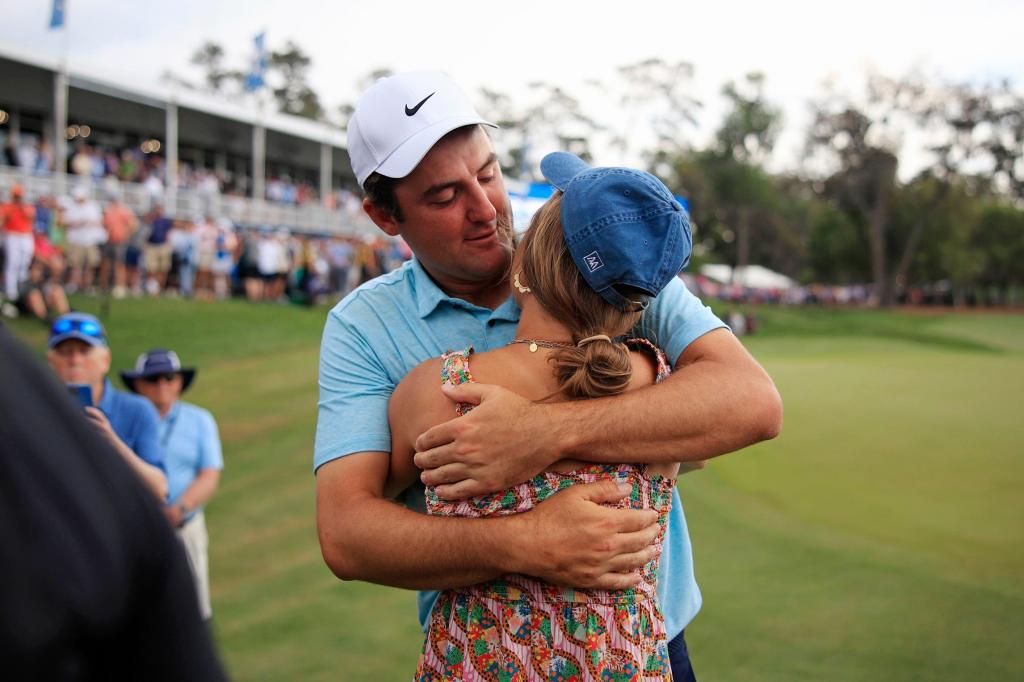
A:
(94, 585)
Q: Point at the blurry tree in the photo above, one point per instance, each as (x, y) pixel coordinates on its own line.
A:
(210, 58)
(292, 91)
(546, 119)
(731, 196)
(657, 106)
(999, 238)
(975, 135)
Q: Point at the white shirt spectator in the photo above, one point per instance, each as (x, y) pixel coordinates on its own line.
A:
(270, 254)
(85, 223)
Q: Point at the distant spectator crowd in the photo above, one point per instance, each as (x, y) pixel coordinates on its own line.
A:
(107, 167)
(53, 245)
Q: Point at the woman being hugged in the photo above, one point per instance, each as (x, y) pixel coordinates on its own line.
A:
(582, 274)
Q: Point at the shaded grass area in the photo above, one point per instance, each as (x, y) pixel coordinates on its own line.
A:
(878, 538)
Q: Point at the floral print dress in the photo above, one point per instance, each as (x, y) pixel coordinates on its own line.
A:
(518, 628)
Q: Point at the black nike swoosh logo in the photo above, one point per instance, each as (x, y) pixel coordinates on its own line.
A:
(412, 112)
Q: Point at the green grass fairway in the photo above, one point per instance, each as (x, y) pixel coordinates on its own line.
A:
(881, 537)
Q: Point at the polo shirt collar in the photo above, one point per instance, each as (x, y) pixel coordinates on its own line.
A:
(173, 412)
(109, 397)
(429, 296)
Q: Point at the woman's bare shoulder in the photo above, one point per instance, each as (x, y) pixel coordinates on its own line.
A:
(419, 388)
(645, 369)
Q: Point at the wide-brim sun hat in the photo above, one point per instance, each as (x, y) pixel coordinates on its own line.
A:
(622, 226)
(401, 117)
(154, 363)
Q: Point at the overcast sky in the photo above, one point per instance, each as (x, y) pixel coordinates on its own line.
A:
(796, 44)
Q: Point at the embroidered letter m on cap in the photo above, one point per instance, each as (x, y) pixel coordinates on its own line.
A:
(593, 261)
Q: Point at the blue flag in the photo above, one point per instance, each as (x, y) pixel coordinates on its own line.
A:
(254, 79)
(57, 15)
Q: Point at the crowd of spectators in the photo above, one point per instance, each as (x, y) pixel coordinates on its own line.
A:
(109, 166)
(79, 244)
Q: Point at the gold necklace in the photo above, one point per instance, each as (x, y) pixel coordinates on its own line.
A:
(538, 343)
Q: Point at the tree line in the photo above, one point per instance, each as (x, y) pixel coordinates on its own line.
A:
(842, 215)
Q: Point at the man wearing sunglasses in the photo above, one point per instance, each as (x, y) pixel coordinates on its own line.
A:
(79, 356)
(192, 453)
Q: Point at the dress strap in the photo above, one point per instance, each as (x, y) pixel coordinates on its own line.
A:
(664, 368)
(454, 371)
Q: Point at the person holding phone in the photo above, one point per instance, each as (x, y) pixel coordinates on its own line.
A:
(79, 355)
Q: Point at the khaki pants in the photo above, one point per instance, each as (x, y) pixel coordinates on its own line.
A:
(193, 535)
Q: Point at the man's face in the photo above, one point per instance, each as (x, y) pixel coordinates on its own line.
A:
(457, 216)
(162, 390)
(77, 362)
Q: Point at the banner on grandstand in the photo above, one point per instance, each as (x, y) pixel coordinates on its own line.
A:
(57, 14)
(254, 79)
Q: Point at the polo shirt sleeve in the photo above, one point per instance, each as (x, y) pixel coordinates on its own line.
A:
(147, 435)
(676, 318)
(210, 455)
(354, 391)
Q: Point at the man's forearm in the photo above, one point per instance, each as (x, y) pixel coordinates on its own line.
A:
(709, 407)
(379, 541)
(201, 489)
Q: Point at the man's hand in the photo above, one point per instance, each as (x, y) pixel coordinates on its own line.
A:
(101, 422)
(576, 541)
(504, 441)
(173, 514)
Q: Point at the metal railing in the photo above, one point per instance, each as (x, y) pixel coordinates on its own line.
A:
(189, 203)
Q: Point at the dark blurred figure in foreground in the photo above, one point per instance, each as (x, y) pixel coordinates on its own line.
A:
(95, 584)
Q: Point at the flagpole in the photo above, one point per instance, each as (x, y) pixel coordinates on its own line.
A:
(60, 102)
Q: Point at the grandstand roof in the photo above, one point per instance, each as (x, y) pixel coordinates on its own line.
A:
(160, 95)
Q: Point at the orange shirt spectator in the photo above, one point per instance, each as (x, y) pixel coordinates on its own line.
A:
(16, 216)
(120, 222)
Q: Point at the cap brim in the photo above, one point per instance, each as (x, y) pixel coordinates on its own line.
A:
(61, 338)
(404, 160)
(561, 167)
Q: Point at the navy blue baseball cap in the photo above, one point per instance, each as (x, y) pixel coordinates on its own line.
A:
(622, 227)
(81, 326)
(157, 363)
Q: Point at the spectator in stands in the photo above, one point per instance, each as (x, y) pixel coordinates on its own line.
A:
(44, 159)
(272, 261)
(339, 258)
(50, 256)
(248, 265)
(157, 250)
(85, 233)
(16, 220)
(184, 247)
(81, 162)
(192, 454)
(120, 223)
(206, 234)
(224, 258)
(78, 354)
(41, 295)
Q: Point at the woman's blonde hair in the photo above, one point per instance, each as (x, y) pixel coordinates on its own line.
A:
(597, 368)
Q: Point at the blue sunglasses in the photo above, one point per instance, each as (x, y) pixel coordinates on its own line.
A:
(86, 327)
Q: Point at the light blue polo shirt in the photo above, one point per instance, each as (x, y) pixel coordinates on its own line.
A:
(134, 420)
(191, 443)
(388, 326)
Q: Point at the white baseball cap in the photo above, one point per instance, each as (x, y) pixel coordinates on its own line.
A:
(399, 118)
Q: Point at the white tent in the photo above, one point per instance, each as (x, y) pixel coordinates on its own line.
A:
(751, 276)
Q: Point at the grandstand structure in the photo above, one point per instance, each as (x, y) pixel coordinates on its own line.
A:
(42, 101)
